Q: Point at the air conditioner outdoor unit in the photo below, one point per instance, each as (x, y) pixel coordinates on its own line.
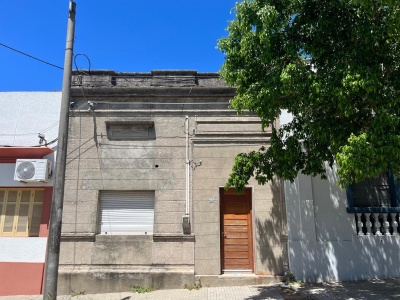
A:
(32, 170)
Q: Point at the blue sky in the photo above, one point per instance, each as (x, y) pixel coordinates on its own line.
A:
(122, 35)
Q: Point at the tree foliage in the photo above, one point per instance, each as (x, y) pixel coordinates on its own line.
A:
(335, 66)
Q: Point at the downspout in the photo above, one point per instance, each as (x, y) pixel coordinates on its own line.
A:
(187, 166)
(186, 217)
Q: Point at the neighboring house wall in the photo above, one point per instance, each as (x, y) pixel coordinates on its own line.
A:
(23, 116)
(99, 166)
(323, 240)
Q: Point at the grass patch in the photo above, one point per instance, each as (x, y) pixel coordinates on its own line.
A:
(74, 294)
(142, 289)
(195, 286)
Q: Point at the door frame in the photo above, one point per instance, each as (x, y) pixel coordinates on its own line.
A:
(249, 192)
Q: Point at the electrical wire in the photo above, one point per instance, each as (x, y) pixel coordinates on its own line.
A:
(46, 144)
(76, 66)
(72, 112)
(18, 134)
(50, 127)
(38, 59)
(43, 131)
(51, 142)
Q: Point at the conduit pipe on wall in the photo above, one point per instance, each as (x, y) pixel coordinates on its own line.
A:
(187, 165)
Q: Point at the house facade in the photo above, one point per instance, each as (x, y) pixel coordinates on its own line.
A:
(144, 204)
(333, 239)
(25, 197)
(341, 235)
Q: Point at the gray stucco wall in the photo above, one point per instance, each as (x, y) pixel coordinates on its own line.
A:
(170, 257)
(323, 242)
(267, 212)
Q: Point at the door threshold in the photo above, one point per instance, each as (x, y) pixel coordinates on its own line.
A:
(237, 273)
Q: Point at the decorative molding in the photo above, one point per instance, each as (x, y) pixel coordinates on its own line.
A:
(233, 139)
(152, 91)
(173, 238)
(78, 237)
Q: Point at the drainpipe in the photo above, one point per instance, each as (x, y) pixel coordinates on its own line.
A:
(187, 164)
(186, 218)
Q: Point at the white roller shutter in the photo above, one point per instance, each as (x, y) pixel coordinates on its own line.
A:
(126, 212)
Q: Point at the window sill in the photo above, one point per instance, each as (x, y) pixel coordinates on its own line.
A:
(77, 237)
(173, 238)
(123, 237)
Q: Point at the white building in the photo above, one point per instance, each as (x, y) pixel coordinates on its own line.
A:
(25, 201)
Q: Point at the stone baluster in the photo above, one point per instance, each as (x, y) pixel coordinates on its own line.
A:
(386, 225)
(377, 224)
(359, 224)
(394, 223)
(368, 223)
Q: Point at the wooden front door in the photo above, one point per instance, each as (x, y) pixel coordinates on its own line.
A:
(236, 231)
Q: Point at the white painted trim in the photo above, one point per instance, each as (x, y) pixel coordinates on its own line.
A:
(24, 249)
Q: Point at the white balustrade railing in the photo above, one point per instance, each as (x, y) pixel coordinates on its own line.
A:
(377, 223)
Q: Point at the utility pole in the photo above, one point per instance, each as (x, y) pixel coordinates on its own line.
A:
(53, 242)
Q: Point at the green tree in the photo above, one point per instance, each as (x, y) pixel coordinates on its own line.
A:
(335, 66)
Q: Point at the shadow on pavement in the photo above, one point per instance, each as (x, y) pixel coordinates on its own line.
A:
(276, 292)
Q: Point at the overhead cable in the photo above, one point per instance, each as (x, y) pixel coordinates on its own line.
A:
(38, 59)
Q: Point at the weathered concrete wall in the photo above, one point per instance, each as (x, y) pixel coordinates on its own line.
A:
(95, 164)
(170, 257)
(217, 143)
(93, 279)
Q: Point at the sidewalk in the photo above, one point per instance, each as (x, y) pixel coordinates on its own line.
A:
(371, 289)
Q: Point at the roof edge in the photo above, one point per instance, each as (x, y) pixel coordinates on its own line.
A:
(151, 73)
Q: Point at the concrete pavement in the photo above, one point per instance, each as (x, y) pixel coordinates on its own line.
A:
(358, 290)
(372, 289)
